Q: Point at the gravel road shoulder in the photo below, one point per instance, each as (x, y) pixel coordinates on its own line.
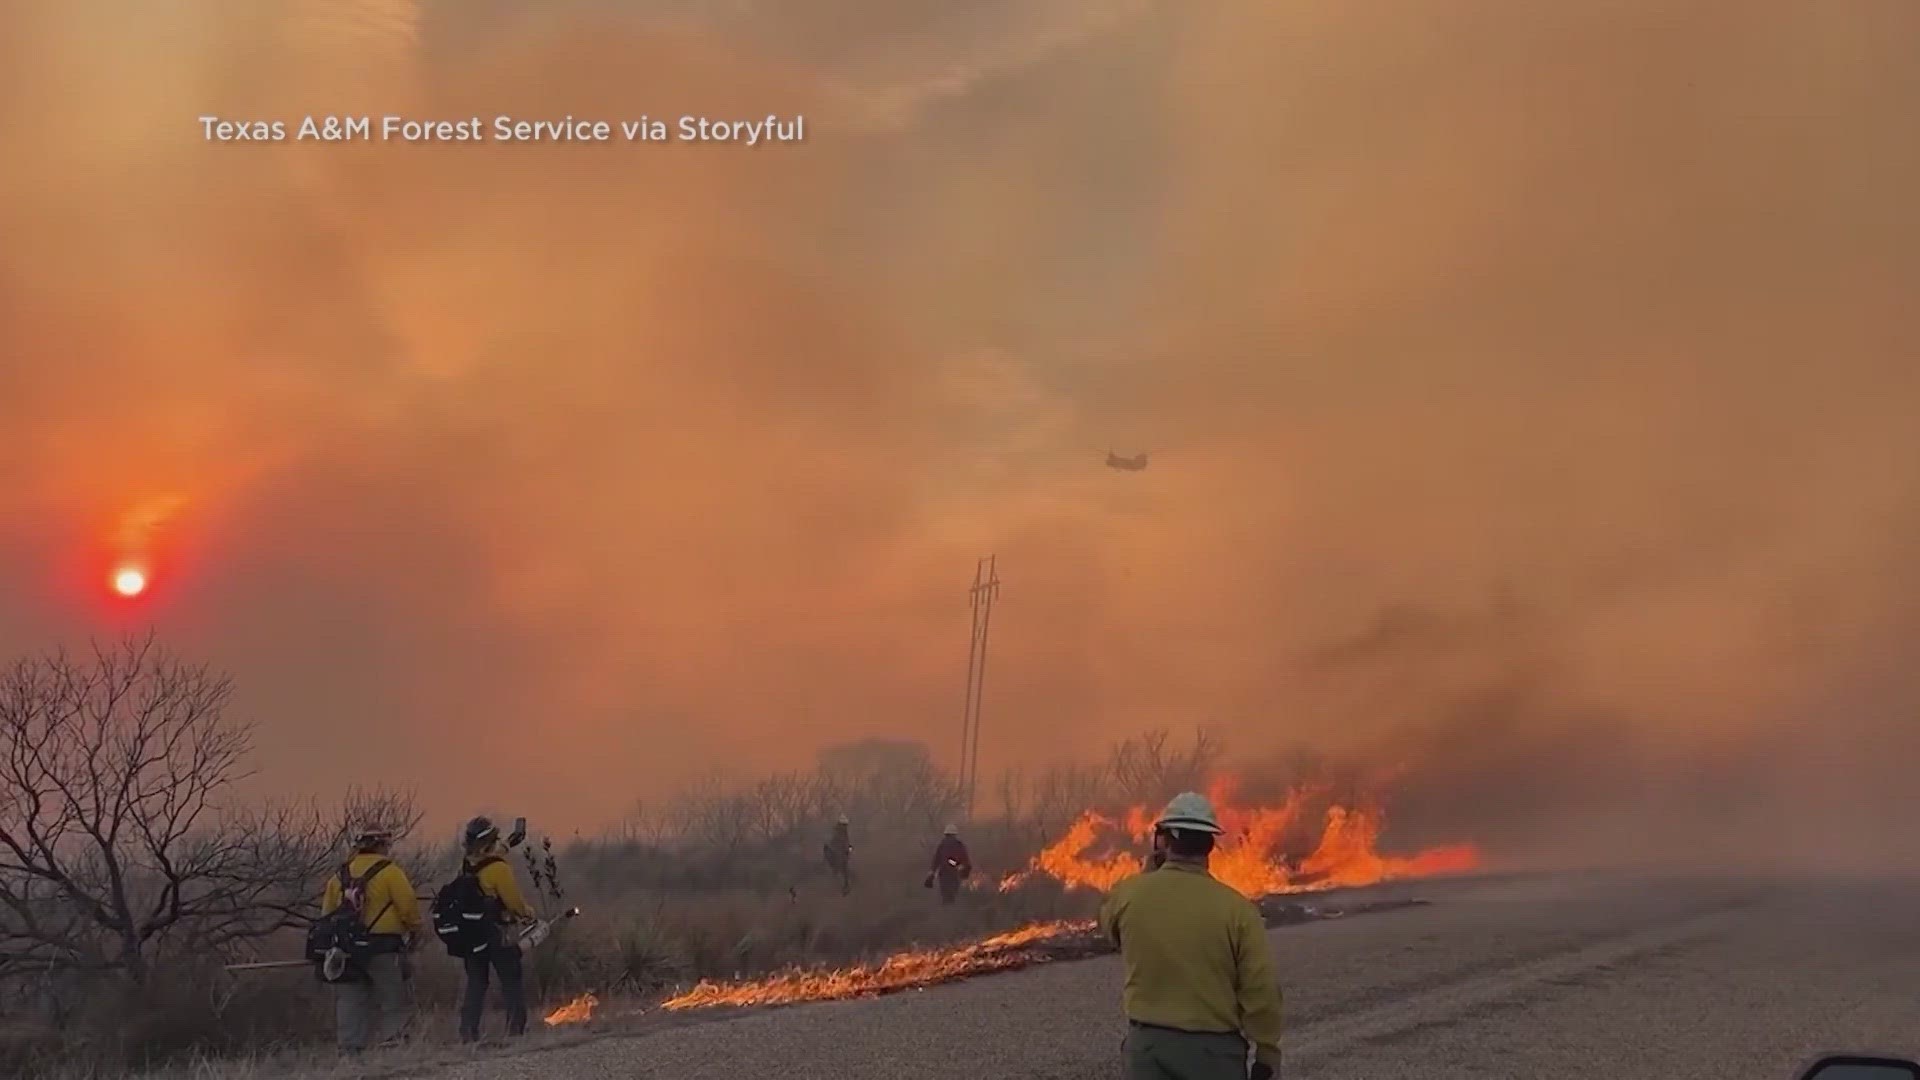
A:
(1564, 977)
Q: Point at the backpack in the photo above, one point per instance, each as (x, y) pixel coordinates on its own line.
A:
(466, 919)
(345, 930)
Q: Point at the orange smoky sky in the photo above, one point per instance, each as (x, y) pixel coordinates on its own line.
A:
(1529, 388)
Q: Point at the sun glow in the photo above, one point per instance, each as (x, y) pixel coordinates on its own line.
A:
(129, 581)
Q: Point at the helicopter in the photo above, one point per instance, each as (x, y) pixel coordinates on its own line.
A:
(1136, 463)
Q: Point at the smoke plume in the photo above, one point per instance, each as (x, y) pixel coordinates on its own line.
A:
(1529, 392)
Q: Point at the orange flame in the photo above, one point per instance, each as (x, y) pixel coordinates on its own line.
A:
(1250, 855)
(901, 971)
(1066, 859)
(577, 1011)
(1249, 858)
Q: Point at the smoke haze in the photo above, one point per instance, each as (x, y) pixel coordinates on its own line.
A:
(1529, 392)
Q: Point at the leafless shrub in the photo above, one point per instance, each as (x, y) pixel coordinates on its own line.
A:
(1149, 771)
(119, 841)
(112, 830)
(396, 810)
(1038, 807)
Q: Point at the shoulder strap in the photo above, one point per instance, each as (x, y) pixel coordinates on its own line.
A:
(372, 871)
(368, 876)
(483, 864)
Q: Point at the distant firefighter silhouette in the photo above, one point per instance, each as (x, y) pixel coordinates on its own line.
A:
(839, 853)
(951, 865)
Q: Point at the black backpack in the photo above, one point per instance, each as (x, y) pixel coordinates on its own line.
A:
(345, 928)
(466, 919)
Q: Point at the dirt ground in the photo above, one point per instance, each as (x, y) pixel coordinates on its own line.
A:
(1564, 978)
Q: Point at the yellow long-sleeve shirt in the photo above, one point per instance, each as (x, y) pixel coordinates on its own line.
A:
(1196, 955)
(497, 881)
(389, 902)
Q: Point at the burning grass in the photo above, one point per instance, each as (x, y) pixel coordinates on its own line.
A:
(908, 970)
(1251, 856)
(577, 1011)
(1036, 944)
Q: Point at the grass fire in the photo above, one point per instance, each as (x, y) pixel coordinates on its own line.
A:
(577, 1011)
(901, 971)
(1488, 429)
(1251, 858)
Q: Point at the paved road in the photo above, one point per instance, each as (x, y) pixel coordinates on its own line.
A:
(1558, 978)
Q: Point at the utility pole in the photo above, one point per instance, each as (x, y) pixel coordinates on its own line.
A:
(986, 586)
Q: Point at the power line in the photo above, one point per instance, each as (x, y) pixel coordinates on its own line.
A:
(986, 586)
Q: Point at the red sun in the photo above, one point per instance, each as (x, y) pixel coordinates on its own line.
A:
(129, 581)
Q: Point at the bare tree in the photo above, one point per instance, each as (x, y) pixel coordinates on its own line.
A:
(115, 832)
(1013, 794)
(394, 810)
(710, 816)
(1149, 771)
(782, 806)
(889, 783)
(1062, 793)
(308, 842)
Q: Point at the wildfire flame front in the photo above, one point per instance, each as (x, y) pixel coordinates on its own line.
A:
(1248, 858)
(1250, 855)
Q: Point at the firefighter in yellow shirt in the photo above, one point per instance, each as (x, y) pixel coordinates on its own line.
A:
(1200, 984)
(486, 859)
(369, 1002)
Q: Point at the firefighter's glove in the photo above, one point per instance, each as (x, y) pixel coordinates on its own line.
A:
(927, 884)
(1261, 1071)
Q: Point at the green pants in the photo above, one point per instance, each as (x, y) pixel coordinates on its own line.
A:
(374, 1009)
(1164, 1054)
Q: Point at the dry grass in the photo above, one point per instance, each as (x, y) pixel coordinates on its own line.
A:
(643, 944)
(627, 945)
(723, 883)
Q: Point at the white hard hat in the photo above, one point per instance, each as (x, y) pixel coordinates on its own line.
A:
(953, 830)
(1189, 810)
(844, 820)
(372, 832)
